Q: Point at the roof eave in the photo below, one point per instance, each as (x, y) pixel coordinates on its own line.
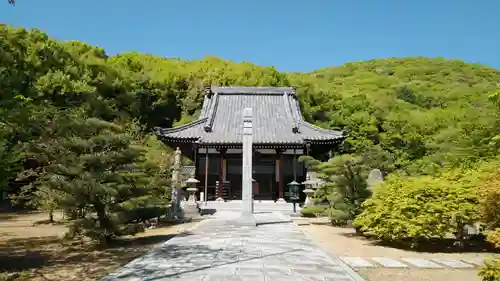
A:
(165, 131)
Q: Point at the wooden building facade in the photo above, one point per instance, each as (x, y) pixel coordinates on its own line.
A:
(280, 137)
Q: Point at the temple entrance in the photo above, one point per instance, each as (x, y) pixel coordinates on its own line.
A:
(264, 186)
(263, 173)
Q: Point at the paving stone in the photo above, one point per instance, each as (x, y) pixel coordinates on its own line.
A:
(337, 278)
(309, 278)
(475, 261)
(218, 250)
(233, 278)
(421, 263)
(183, 278)
(453, 263)
(389, 263)
(249, 271)
(356, 262)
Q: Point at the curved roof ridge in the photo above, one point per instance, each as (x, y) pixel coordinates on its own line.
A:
(204, 107)
(279, 119)
(181, 127)
(291, 113)
(211, 113)
(245, 90)
(326, 131)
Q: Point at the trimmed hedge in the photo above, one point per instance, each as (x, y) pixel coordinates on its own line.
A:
(314, 211)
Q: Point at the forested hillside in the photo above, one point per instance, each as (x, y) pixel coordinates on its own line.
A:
(67, 107)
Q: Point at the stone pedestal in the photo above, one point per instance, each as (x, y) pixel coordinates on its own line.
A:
(190, 210)
(281, 200)
(309, 192)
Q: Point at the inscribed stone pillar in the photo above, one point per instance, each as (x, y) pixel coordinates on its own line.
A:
(247, 204)
(176, 185)
(374, 178)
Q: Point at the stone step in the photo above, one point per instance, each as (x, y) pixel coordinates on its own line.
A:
(434, 263)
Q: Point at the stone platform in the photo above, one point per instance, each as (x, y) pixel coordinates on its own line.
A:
(259, 206)
(219, 250)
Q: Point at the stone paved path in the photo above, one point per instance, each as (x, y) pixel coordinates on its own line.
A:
(219, 250)
(367, 262)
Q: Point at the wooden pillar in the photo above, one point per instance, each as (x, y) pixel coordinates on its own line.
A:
(195, 159)
(294, 165)
(221, 173)
(206, 175)
(307, 150)
(281, 184)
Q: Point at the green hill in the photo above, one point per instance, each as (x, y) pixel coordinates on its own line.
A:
(408, 113)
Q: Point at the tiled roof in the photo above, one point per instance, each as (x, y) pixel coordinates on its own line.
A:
(277, 118)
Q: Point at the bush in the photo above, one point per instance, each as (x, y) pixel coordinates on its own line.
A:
(314, 211)
(491, 272)
(419, 208)
(490, 211)
(489, 190)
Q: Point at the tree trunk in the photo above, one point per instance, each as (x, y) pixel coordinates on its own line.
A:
(104, 223)
(51, 216)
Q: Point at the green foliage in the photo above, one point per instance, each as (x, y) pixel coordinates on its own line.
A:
(489, 190)
(424, 113)
(409, 116)
(491, 271)
(344, 185)
(98, 168)
(314, 211)
(420, 208)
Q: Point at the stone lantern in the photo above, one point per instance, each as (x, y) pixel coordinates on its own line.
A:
(309, 191)
(294, 193)
(191, 189)
(190, 207)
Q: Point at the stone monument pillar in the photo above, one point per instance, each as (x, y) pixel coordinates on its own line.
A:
(247, 217)
(374, 178)
(176, 185)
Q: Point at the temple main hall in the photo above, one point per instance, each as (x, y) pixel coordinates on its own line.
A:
(280, 136)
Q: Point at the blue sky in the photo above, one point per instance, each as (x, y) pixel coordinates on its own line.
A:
(293, 35)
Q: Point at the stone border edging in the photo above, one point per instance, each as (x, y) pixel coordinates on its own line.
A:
(336, 259)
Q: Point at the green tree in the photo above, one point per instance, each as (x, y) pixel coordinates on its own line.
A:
(96, 166)
(344, 185)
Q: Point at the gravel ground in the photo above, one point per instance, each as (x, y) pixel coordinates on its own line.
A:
(344, 242)
(35, 252)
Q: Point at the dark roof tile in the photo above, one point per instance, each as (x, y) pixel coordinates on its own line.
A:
(277, 118)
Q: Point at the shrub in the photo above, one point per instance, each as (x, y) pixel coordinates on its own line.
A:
(491, 272)
(419, 208)
(489, 190)
(314, 211)
(490, 210)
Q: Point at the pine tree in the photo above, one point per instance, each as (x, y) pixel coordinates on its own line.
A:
(96, 167)
(344, 186)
